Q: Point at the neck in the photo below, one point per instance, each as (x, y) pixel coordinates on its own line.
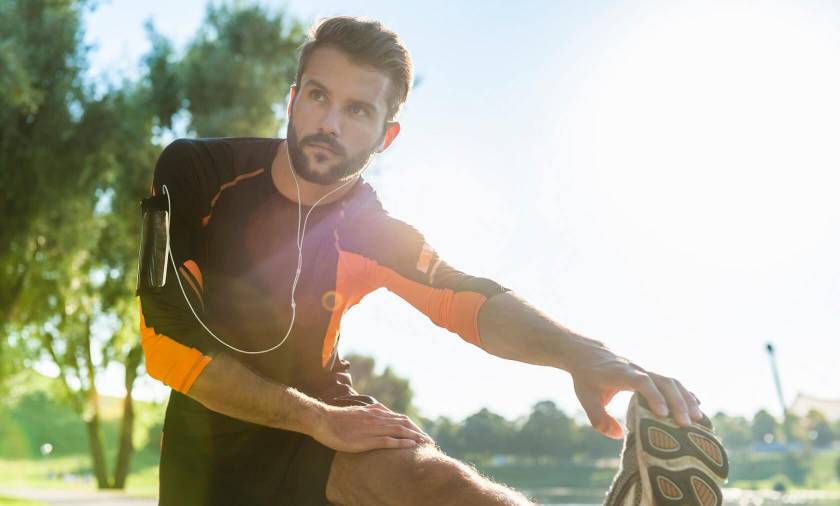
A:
(284, 181)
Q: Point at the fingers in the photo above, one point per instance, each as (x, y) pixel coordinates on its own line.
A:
(390, 442)
(401, 431)
(690, 401)
(393, 417)
(598, 416)
(380, 407)
(678, 407)
(644, 385)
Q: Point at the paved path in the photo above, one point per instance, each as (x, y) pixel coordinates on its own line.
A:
(54, 497)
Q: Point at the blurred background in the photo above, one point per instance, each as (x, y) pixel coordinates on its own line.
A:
(662, 176)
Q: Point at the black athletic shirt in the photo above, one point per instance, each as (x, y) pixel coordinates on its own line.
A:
(233, 236)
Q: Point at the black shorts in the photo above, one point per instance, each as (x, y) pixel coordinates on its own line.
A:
(208, 459)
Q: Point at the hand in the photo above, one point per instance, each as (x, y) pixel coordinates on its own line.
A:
(361, 428)
(596, 385)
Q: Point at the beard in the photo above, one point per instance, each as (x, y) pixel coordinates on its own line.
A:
(340, 171)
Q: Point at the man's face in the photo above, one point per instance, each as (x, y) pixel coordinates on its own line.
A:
(337, 117)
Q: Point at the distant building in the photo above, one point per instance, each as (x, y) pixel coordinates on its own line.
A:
(804, 403)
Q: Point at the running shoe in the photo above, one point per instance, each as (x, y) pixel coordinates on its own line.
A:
(664, 464)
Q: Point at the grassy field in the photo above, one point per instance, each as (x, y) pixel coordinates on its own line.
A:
(7, 501)
(73, 473)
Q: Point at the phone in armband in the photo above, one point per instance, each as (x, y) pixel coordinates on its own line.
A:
(154, 244)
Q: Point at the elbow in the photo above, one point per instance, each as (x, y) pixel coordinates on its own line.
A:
(168, 361)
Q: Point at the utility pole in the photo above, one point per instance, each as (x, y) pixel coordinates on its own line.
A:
(775, 368)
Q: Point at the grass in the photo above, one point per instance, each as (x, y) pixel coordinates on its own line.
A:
(8, 501)
(74, 473)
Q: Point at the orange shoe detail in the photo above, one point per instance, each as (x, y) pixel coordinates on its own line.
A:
(704, 493)
(668, 488)
(707, 447)
(662, 440)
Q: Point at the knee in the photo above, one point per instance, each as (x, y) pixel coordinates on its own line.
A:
(408, 476)
(432, 474)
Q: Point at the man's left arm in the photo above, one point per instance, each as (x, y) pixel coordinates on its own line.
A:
(511, 328)
(379, 250)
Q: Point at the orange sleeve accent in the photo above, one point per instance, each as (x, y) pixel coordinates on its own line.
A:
(350, 287)
(237, 179)
(358, 275)
(195, 271)
(454, 311)
(191, 284)
(169, 361)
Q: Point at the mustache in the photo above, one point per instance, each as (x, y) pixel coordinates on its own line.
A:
(323, 139)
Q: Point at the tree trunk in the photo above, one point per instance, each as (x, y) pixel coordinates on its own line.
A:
(91, 415)
(126, 448)
(97, 450)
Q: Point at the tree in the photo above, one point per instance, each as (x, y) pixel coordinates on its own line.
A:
(75, 163)
(78, 309)
(548, 432)
(235, 75)
(595, 445)
(734, 431)
(446, 434)
(764, 427)
(837, 468)
(818, 429)
(46, 144)
(486, 433)
(388, 388)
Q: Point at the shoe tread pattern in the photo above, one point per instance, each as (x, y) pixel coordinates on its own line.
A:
(659, 440)
(688, 487)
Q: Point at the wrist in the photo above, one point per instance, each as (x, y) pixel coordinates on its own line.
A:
(583, 352)
(300, 412)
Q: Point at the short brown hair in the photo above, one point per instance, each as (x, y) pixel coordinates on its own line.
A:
(365, 42)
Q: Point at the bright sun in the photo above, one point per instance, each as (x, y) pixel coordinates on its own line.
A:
(712, 129)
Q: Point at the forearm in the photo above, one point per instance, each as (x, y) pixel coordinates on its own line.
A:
(512, 328)
(228, 387)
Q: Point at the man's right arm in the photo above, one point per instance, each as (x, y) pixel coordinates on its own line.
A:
(228, 387)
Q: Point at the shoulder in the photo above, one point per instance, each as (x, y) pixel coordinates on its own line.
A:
(368, 228)
(212, 162)
(237, 154)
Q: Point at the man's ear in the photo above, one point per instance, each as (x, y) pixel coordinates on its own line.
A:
(292, 93)
(391, 131)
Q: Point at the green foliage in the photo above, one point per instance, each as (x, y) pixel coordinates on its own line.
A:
(44, 155)
(387, 387)
(547, 432)
(8, 501)
(40, 417)
(593, 445)
(75, 163)
(735, 432)
(819, 430)
(763, 424)
(235, 74)
(446, 434)
(795, 467)
(837, 468)
(486, 433)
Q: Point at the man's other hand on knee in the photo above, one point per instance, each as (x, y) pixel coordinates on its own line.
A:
(362, 428)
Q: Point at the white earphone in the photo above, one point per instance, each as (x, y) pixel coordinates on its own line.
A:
(301, 231)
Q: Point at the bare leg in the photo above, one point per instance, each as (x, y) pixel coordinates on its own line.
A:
(419, 476)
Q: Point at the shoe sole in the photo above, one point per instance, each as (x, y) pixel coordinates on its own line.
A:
(688, 462)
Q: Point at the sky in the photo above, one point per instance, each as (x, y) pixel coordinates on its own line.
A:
(658, 175)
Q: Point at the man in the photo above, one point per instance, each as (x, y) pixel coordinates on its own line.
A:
(274, 240)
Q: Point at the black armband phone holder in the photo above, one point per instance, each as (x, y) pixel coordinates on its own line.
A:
(154, 244)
